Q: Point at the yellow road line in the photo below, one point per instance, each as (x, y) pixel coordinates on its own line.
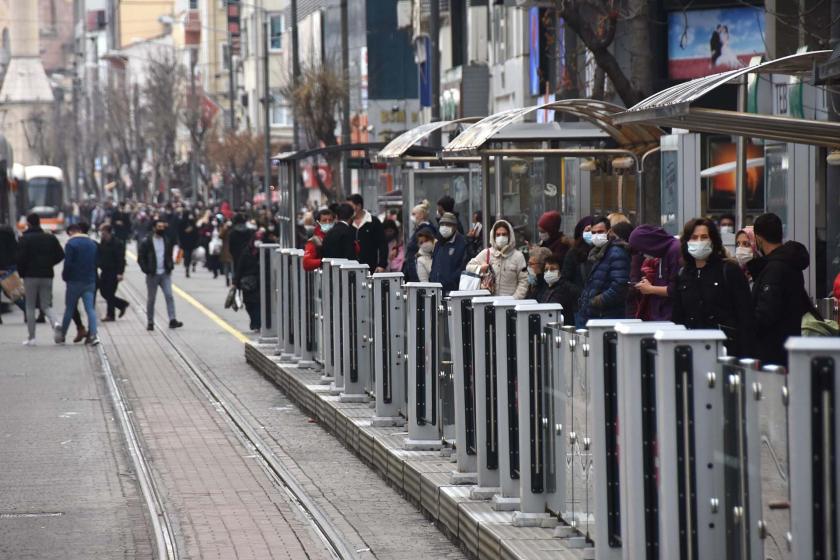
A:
(207, 312)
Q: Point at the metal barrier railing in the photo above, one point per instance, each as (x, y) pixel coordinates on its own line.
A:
(641, 437)
(268, 286)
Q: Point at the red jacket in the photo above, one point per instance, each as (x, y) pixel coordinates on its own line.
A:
(312, 251)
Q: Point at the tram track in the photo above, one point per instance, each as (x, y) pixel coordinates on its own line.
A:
(279, 475)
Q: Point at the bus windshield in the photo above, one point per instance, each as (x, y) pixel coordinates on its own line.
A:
(43, 192)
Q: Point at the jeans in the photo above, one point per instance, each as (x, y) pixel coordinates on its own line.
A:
(108, 288)
(165, 283)
(84, 291)
(38, 291)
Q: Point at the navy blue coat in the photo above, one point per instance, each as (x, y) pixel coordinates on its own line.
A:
(448, 262)
(411, 248)
(605, 290)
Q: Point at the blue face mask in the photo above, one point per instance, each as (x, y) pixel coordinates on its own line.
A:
(587, 237)
(532, 280)
(326, 227)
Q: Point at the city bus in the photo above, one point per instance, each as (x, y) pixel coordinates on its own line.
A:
(9, 197)
(43, 194)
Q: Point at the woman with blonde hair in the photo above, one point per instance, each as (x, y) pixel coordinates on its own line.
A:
(419, 220)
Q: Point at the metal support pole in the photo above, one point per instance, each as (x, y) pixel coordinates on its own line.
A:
(497, 188)
(266, 112)
(485, 201)
(345, 101)
(295, 69)
(193, 129)
(231, 84)
(434, 51)
(741, 159)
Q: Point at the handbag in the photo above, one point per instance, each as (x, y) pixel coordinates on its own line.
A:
(12, 285)
(230, 300)
(488, 281)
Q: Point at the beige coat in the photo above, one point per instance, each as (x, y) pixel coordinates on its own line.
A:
(508, 264)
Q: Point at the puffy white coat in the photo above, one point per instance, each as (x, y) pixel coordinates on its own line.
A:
(508, 264)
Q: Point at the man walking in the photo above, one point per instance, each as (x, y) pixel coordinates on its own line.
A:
(80, 276)
(155, 260)
(111, 263)
(37, 254)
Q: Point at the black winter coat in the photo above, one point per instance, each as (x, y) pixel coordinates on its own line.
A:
(121, 222)
(248, 266)
(779, 299)
(147, 259)
(38, 252)
(338, 243)
(238, 240)
(371, 243)
(8, 248)
(717, 296)
(111, 256)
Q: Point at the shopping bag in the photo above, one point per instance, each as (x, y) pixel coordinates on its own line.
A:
(12, 285)
(230, 300)
(469, 281)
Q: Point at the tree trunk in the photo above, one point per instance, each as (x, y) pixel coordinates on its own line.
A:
(640, 51)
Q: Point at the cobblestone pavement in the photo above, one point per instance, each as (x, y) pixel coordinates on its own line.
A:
(373, 517)
(67, 489)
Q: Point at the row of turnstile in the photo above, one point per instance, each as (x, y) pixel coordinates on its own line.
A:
(642, 438)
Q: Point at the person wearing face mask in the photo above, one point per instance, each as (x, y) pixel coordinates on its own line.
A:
(745, 250)
(155, 259)
(450, 256)
(445, 205)
(553, 292)
(605, 290)
(503, 263)
(548, 229)
(573, 270)
(778, 292)
(536, 270)
(727, 223)
(658, 243)
(371, 248)
(396, 247)
(425, 250)
(419, 219)
(711, 290)
(340, 238)
(314, 246)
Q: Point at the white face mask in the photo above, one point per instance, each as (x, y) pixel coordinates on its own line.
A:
(427, 247)
(727, 229)
(501, 241)
(326, 227)
(446, 231)
(743, 255)
(543, 236)
(700, 250)
(599, 239)
(551, 276)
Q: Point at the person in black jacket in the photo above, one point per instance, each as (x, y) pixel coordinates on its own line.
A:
(371, 245)
(712, 291)
(121, 223)
(111, 264)
(38, 253)
(247, 279)
(155, 259)
(778, 295)
(187, 238)
(554, 290)
(238, 238)
(340, 240)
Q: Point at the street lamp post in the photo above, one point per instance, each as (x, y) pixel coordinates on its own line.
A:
(267, 111)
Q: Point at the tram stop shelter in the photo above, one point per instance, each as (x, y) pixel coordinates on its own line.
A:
(577, 167)
(799, 177)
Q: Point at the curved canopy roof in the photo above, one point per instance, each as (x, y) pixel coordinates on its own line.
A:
(599, 113)
(672, 106)
(398, 147)
(340, 148)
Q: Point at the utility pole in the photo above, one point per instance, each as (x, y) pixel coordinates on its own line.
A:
(295, 71)
(193, 130)
(231, 83)
(434, 40)
(266, 111)
(345, 100)
(77, 191)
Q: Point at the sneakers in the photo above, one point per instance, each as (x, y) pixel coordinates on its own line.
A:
(58, 336)
(92, 341)
(81, 334)
(29, 342)
(175, 323)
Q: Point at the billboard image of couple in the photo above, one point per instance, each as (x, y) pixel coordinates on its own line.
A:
(703, 42)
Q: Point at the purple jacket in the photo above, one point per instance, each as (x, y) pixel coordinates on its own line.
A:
(656, 242)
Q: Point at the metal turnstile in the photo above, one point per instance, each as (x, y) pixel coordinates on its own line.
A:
(305, 315)
(295, 269)
(603, 395)
(389, 348)
(637, 438)
(268, 287)
(690, 426)
(506, 410)
(486, 425)
(355, 329)
(460, 311)
(538, 426)
(284, 298)
(338, 294)
(423, 322)
(814, 442)
(328, 315)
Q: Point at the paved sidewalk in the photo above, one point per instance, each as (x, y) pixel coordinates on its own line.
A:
(67, 489)
(220, 501)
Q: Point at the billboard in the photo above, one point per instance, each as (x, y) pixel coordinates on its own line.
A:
(534, 50)
(703, 42)
(721, 191)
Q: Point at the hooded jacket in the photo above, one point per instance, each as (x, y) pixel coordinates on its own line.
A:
(556, 242)
(779, 299)
(656, 242)
(508, 264)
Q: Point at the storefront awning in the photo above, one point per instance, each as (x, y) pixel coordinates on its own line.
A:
(672, 107)
(398, 147)
(598, 113)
